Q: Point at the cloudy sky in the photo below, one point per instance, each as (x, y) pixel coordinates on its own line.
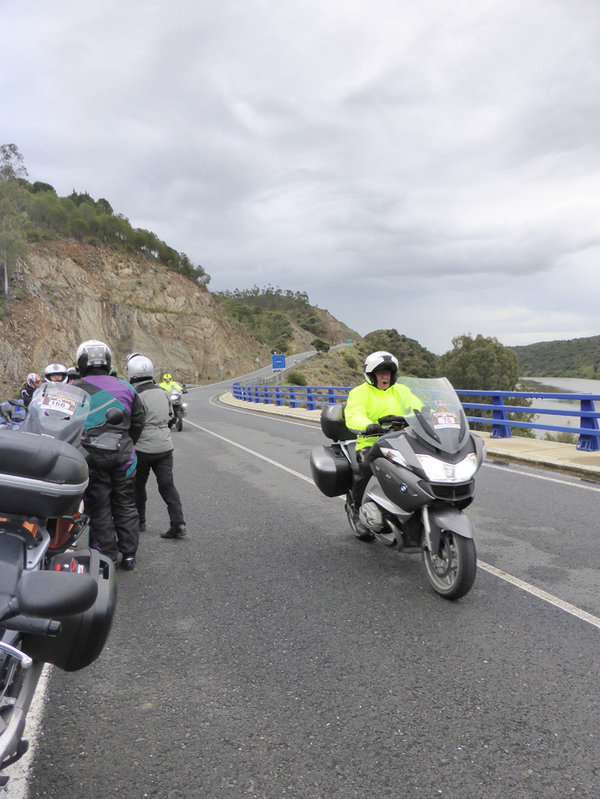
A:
(429, 166)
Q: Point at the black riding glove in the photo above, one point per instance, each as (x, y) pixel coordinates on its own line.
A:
(374, 430)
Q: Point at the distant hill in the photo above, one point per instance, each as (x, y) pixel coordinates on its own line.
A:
(344, 367)
(283, 320)
(578, 357)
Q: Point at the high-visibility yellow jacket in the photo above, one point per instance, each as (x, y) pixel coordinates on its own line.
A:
(172, 385)
(367, 404)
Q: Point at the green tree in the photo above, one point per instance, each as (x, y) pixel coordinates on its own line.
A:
(320, 345)
(13, 241)
(484, 363)
(413, 359)
(480, 363)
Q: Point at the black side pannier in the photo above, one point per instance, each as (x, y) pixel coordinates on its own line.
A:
(82, 635)
(330, 470)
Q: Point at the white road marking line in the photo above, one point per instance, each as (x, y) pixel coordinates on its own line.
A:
(253, 452)
(584, 486)
(537, 592)
(20, 772)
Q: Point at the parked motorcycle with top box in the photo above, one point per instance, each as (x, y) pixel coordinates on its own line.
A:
(56, 602)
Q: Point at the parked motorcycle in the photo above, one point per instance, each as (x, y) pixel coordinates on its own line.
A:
(179, 407)
(12, 413)
(56, 602)
(423, 470)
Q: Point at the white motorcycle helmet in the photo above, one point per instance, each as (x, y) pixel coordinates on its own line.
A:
(56, 373)
(139, 367)
(93, 353)
(378, 361)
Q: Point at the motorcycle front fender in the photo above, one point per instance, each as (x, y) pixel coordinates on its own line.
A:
(447, 518)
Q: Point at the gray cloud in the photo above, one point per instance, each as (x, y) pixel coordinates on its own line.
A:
(432, 167)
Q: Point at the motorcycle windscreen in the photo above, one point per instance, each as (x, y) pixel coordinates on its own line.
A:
(58, 410)
(440, 420)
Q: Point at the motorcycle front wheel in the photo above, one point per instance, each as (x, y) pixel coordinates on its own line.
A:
(179, 424)
(451, 572)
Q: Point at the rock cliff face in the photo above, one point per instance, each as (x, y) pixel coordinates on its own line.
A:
(64, 292)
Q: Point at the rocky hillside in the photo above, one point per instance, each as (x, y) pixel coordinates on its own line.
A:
(63, 292)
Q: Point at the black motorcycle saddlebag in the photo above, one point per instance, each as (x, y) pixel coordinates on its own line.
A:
(333, 424)
(39, 475)
(83, 635)
(330, 470)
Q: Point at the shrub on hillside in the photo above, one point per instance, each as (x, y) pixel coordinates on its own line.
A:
(350, 360)
(295, 378)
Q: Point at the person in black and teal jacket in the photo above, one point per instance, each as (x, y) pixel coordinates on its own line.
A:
(110, 450)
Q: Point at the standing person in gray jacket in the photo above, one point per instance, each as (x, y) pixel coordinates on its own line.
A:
(154, 447)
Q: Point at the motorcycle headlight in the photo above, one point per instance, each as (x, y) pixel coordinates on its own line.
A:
(442, 472)
(184, 404)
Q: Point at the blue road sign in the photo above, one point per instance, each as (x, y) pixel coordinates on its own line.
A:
(278, 362)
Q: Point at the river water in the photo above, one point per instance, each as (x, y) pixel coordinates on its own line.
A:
(561, 385)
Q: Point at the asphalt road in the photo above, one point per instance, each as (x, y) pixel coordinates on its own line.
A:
(272, 654)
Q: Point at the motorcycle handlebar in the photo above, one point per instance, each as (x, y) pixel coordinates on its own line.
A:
(27, 624)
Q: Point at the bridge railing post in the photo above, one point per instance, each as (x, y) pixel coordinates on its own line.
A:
(588, 441)
(500, 428)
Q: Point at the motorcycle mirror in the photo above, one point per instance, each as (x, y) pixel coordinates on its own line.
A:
(114, 415)
(48, 594)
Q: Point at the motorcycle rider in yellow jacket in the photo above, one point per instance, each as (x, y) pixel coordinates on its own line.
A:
(169, 384)
(379, 396)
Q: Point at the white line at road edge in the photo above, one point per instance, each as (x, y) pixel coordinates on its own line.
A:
(19, 772)
(537, 592)
(573, 610)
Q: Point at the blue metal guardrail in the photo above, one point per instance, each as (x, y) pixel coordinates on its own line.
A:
(312, 397)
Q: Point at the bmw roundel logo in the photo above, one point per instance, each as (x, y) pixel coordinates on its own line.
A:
(403, 488)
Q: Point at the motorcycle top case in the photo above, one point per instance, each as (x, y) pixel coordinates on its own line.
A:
(39, 475)
(82, 635)
(330, 470)
(333, 423)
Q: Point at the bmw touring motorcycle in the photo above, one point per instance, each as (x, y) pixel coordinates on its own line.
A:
(179, 407)
(423, 470)
(56, 606)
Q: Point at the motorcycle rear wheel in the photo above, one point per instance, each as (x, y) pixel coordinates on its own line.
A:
(451, 572)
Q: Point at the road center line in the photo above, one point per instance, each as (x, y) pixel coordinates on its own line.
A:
(253, 452)
(567, 607)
